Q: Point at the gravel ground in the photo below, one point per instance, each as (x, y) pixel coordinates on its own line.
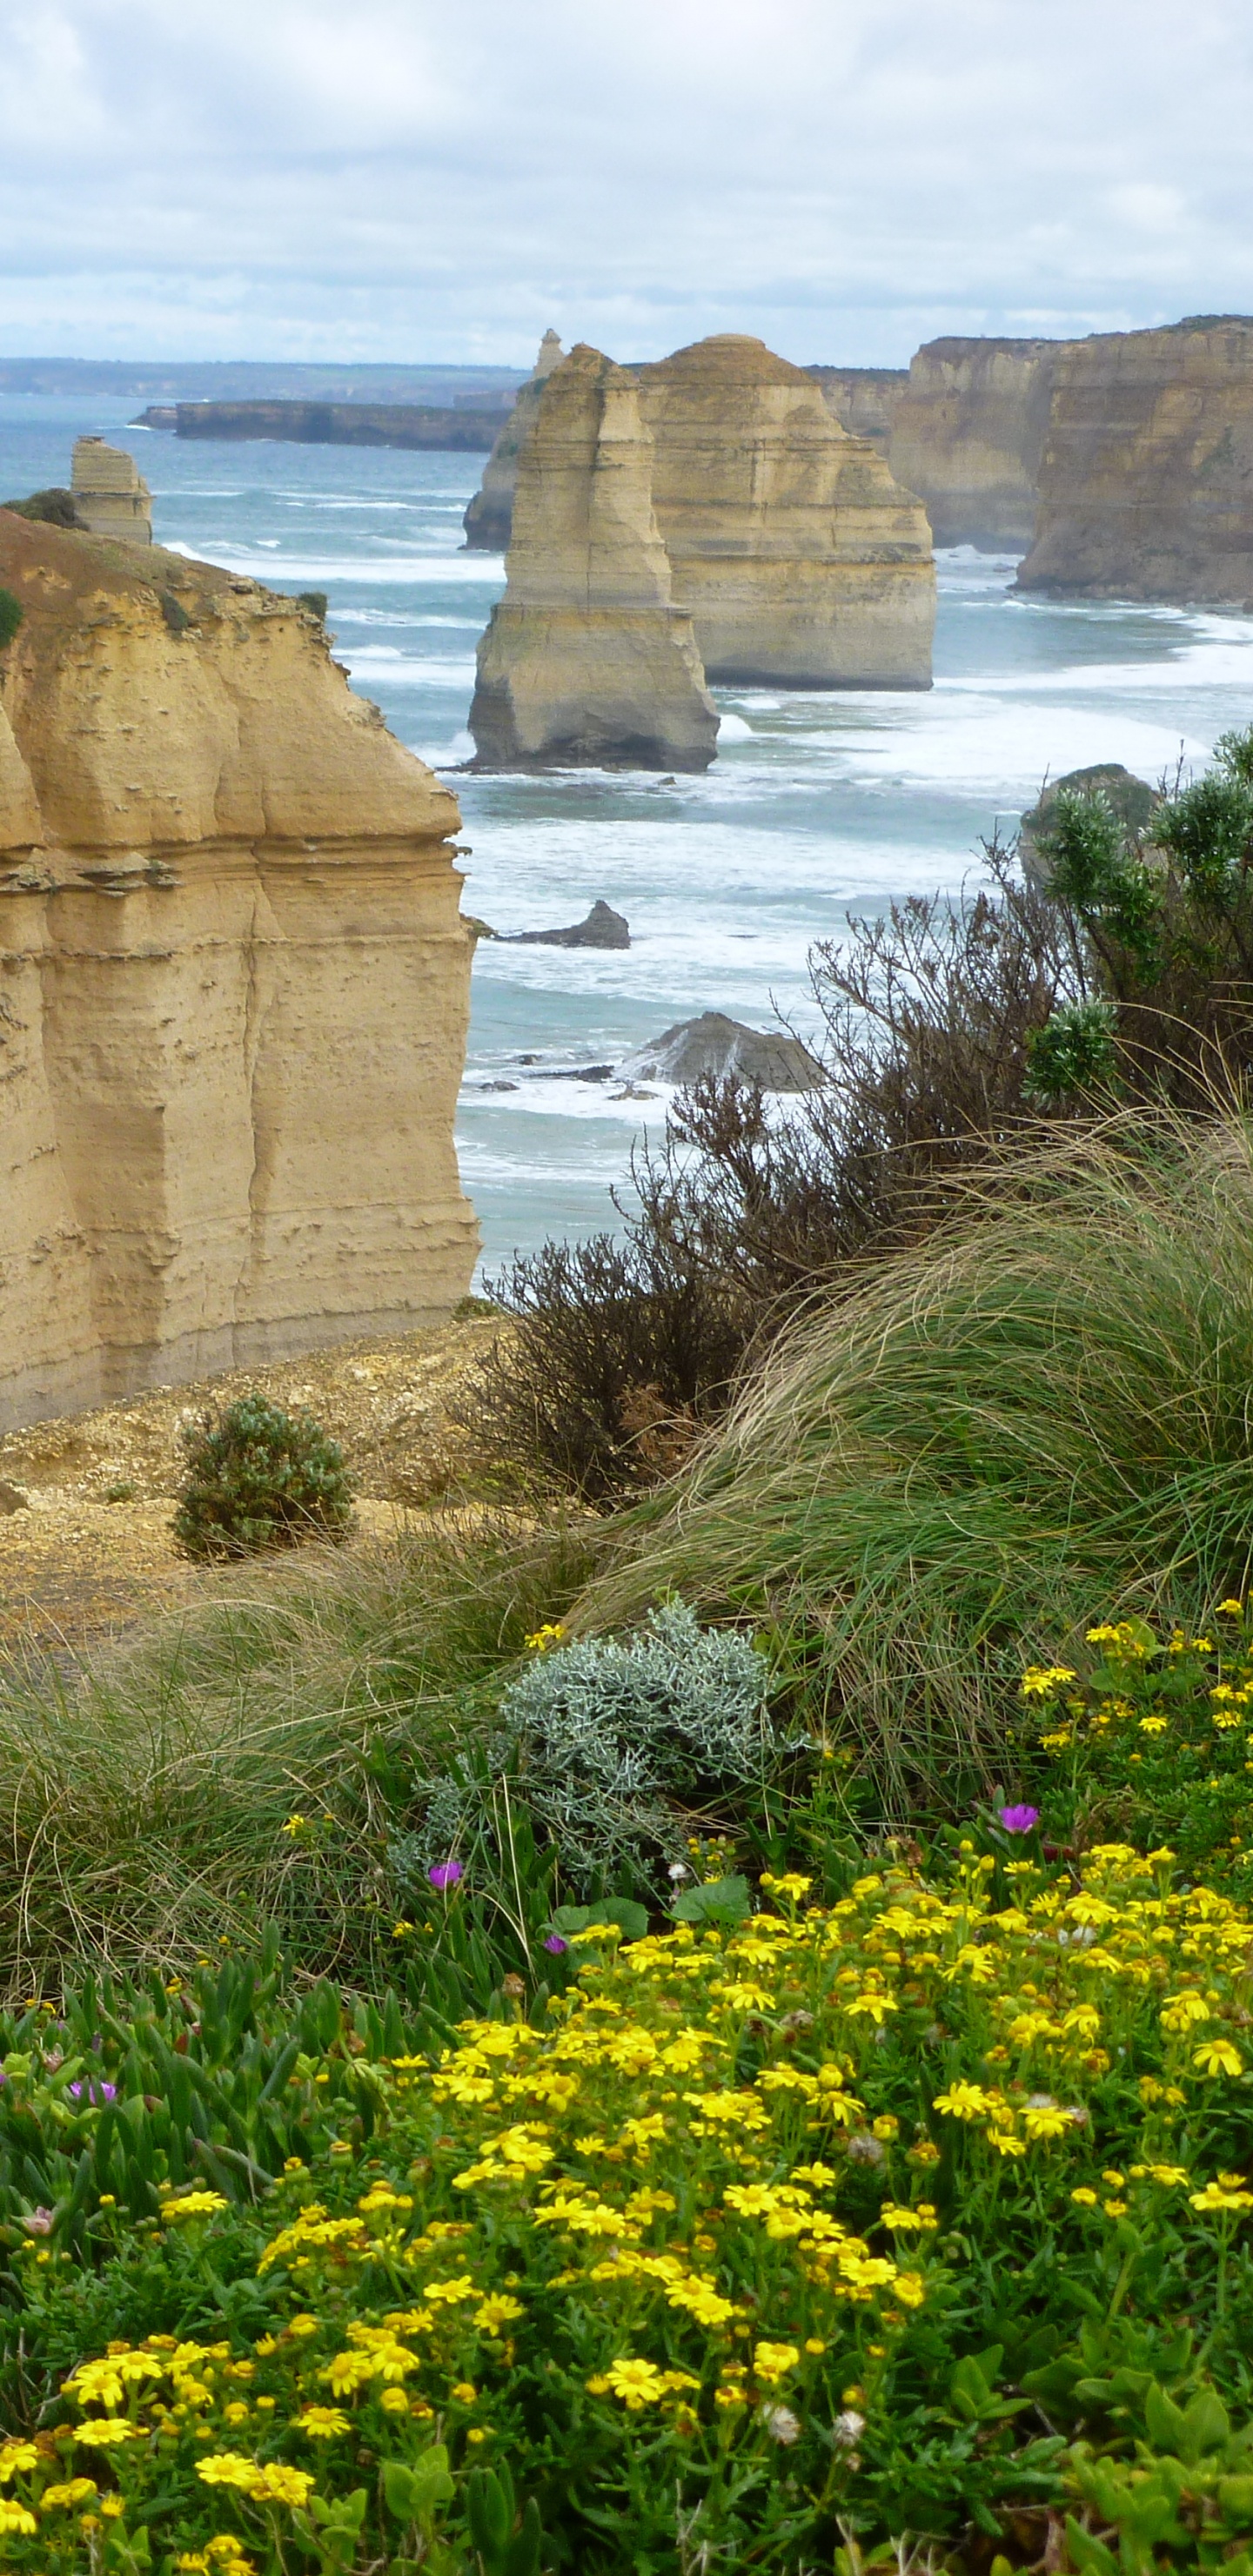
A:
(89, 1549)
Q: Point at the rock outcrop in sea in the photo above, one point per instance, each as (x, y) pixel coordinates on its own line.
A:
(1146, 478)
(803, 562)
(586, 660)
(234, 986)
(111, 498)
(714, 1044)
(967, 434)
(489, 515)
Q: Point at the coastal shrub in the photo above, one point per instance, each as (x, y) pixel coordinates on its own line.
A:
(617, 1748)
(56, 507)
(147, 1792)
(1166, 912)
(620, 1350)
(888, 2221)
(1123, 972)
(257, 1477)
(623, 1350)
(10, 618)
(1048, 1403)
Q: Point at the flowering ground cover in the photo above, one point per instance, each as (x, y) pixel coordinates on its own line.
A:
(763, 2241)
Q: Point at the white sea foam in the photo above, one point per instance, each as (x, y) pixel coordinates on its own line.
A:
(366, 571)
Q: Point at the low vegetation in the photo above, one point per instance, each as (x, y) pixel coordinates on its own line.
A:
(714, 2032)
(1119, 976)
(259, 1477)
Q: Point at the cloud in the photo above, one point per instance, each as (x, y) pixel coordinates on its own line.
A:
(400, 179)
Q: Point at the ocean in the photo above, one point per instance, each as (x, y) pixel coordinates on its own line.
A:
(818, 804)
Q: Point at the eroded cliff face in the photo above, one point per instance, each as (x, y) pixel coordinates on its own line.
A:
(233, 986)
(803, 561)
(967, 435)
(488, 519)
(586, 660)
(1146, 478)
(864, 400)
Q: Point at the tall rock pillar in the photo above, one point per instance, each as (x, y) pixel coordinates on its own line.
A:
(587, 661)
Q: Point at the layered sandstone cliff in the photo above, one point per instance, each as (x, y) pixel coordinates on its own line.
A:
(586, 659)
(233, 986)
(802, 560)
(489, 516)
(864, 400)
(967, 435)
(1146, 479)
(111, 498)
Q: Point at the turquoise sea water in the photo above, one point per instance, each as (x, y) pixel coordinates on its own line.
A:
(817, 804)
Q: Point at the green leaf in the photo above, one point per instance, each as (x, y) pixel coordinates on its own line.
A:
(722, 1900)
(1166, 2422)
(1090, 2555)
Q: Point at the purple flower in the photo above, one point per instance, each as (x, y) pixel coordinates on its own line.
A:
(556, 1944)
(445, 1874)
(1018, 1820)
(74, 2091)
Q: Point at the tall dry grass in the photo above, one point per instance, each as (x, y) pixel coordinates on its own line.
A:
(142, 1803)
(1044, 1415)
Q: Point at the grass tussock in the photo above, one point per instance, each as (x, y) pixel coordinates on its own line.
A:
(142, 1806)
(1044, 1414)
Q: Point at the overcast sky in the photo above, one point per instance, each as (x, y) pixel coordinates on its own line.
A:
(439, 179)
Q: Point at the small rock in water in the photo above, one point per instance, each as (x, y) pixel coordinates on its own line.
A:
(496, 1086)
(715, 1044)
(603, 928)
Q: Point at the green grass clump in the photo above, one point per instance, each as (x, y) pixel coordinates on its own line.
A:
(258, 1477)
(1042, 1415)
(145, 1803)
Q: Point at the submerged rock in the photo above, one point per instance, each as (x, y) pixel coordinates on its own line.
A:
(803, 562)
(602, 927)
(715, 1044)
(587, 663)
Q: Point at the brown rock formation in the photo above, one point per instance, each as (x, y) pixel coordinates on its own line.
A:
(586, 660)
(489, 516)
(111, 498)
(864, 400)
(967, 435)
(233, 986)
(1146, 480)
(801, 559)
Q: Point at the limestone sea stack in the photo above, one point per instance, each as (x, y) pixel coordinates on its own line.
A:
(803, 562)
(967, 434)
(489, 515)
(586, 661)
(233, 986)
(111, 498)
(1146, 479)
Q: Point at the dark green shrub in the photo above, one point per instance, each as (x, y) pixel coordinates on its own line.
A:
(258, 1477)
(10, 618)
(316, 601)
(54, 508)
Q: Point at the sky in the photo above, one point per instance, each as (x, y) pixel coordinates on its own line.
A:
(417, 180)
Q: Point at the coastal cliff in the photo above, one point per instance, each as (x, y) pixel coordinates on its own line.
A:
(234, 986)
(864, 400)
(1146, 479)
(328, 424)
(967, 434)
(489, 515)
(800, 557)
(586, 660)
